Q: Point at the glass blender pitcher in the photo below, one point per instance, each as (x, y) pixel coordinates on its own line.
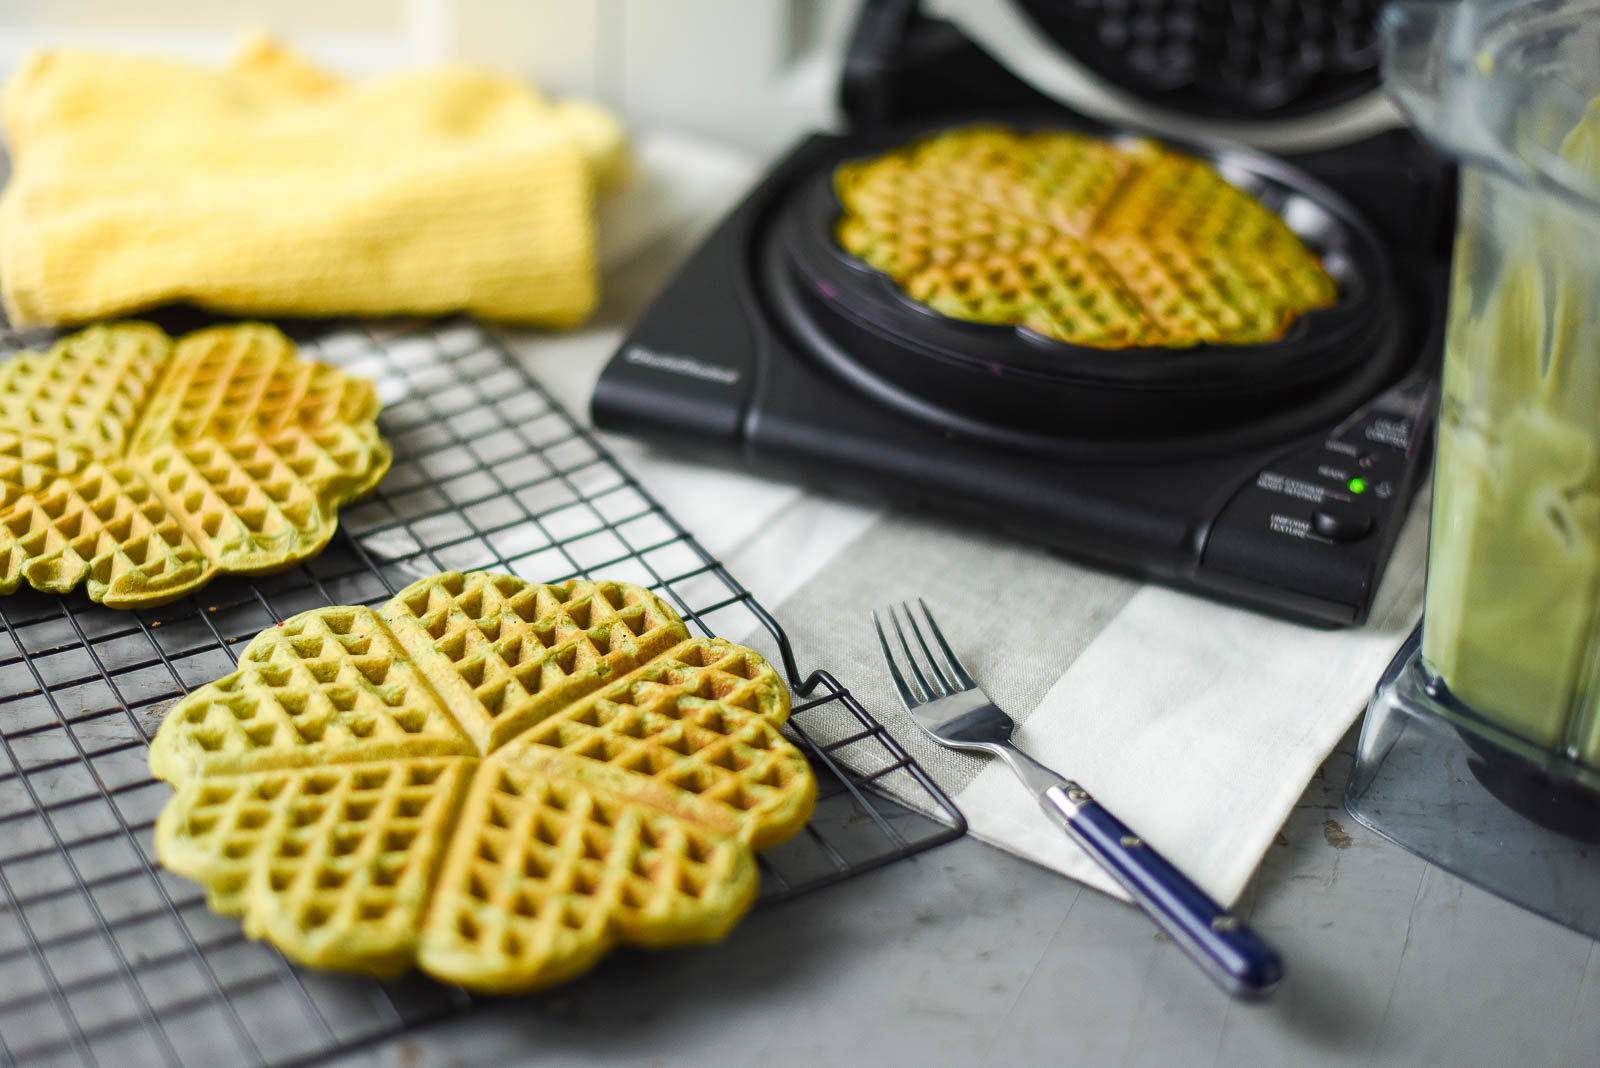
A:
(1481, 747)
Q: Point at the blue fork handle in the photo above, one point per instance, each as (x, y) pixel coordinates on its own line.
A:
(1235, 957)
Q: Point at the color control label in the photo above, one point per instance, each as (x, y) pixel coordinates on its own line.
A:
(1395, 433)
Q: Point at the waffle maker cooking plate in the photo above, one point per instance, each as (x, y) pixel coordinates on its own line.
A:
(1274, 475)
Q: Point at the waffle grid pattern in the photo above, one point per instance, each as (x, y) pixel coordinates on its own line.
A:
(1091, 242)
(142, 468)
(310, 671)
(1231, 57)
(106, 958)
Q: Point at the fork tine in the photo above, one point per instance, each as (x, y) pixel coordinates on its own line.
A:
(907, 698)
(949, 654)
(945, 685)
(911, 659)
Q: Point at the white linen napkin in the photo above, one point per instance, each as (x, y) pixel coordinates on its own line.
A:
(1199, 725)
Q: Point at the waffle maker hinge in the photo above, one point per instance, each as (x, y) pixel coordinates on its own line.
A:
(903, 66)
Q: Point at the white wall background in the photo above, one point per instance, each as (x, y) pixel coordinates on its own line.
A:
(750, 72)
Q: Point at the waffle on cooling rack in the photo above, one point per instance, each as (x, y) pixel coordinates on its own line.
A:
(491, 779)
(141, 468)
(1103, 244)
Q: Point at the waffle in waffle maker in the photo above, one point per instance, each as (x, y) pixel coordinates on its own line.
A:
(1274, 474)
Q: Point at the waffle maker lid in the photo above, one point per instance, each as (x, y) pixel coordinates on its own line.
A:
(1242, 60)
(1222, 58)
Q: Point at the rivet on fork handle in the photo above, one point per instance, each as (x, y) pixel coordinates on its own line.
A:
(1232, 954)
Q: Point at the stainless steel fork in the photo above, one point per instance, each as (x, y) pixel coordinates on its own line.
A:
(947, 704)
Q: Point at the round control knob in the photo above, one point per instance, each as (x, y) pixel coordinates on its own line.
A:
(1341, 522)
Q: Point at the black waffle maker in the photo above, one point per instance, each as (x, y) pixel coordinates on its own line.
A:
(1273, 475)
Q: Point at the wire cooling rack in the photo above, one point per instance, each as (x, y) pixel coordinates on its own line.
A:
(105, 958)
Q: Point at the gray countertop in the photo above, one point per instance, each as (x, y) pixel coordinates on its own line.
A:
(967, 955)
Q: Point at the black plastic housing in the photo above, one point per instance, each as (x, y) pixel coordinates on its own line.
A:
(1208, 477)
(1015, 386)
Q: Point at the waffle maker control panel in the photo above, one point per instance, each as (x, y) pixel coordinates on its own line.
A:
(1311, 520)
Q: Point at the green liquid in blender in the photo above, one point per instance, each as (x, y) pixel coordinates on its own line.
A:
(1513, 599)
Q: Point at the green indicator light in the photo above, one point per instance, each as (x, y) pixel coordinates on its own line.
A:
(1358, 485)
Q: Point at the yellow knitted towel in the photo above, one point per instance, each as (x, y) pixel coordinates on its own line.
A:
(272, 188)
